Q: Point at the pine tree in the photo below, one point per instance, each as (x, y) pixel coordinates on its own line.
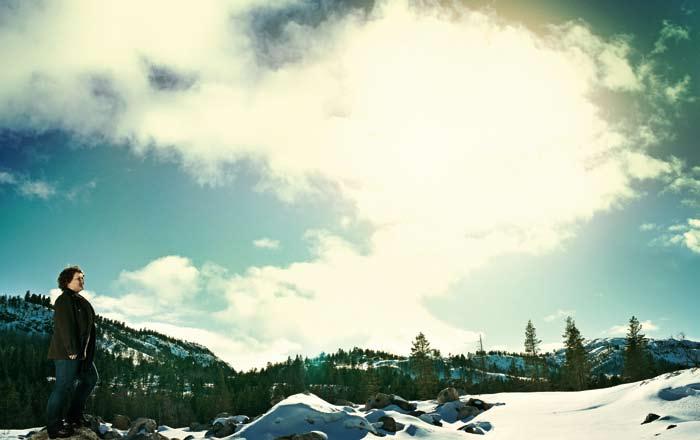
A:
(531, 349)
(635, 357)
(577, 368)
(422, 360)
(531, 342)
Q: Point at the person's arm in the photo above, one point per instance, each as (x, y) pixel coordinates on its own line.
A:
(65, 326)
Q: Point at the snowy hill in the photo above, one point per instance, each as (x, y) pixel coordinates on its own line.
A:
(612, 413)
(113, 337)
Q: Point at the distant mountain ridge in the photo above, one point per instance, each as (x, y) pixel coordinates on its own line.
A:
(605, 354)
(113, 336)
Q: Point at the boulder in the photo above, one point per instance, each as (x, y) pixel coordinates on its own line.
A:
(382, 400)
(433, 419)
(120, 421)
(222, 415)
(196, 426)
(147, 436)
(142, 425)
(650, 418)
(478, 403)
(189, 437)
(343, 402)
(389, 424)
(111, 435)
(312, 435)
(449, 394)
(671, 426)
(81, 433)
(225, 426)
(416, 413)
(467, 412)
(471, 429)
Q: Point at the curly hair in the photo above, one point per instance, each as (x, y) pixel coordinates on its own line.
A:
(66, 276)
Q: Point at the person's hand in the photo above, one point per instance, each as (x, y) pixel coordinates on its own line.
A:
(73, 356)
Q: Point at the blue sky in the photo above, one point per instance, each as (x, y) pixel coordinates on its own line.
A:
(278, 178)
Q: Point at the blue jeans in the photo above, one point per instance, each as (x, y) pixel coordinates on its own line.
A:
(72, 389)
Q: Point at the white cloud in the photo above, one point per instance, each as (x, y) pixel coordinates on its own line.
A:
(647, 227)
(481, 140)
(687, 235)
(168, 280)
(36, 188)
(559, 314)
(678, 91)
(266, 243)
(670, 32)
(7, 178)
(621, 330)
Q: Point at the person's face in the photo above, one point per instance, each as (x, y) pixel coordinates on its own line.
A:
(77, 283)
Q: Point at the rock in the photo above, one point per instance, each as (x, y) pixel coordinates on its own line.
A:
(120, 421)
(478, 403)
(94, 422)
(382, 400)
(225, 426)
(111, 435)
(196, 426)
(222, 415)
(449, 394)
(81, 433)
(471, 429)
(671, 426)
(467, 412)
(312, 435)
(433, 419)
(147, 436)
(416, 413)
(343, 402)
(402, 403)
(142, 425)
(650, 418)
(389, 424)
(189, 437)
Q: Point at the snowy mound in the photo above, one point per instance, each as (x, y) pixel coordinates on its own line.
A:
(302, 413)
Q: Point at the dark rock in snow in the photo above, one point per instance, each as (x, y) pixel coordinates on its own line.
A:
(468, 412)
(196, 426)
(312, 435)
(478, 403)
(81, 433)
(142, 425)
(382, 400)
(389, 424)
(111, 435)
(449, 394)
(120, 421)
(650, 418)
(671, 426)
(471, 429)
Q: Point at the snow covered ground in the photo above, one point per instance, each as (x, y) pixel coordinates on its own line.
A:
(613, 413)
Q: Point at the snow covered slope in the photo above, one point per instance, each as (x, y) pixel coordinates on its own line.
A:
(614, 413)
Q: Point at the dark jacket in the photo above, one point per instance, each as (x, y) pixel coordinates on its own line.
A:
(74, 328)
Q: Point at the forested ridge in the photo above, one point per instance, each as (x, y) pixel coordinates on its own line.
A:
(187, 383)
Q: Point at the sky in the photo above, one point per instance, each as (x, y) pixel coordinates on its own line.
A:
(272, 178)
